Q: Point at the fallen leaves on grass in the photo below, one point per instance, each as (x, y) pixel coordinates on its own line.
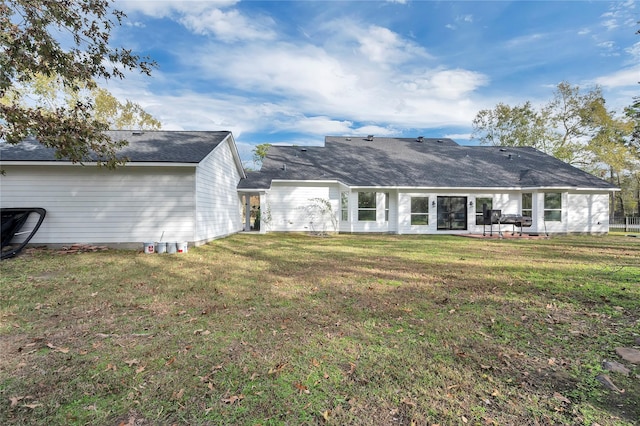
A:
(302, 388)
(57, 349)
(233, 399)
(352, 368)
(32, 406)
(278, 368)
(561, 398)
(15, 399)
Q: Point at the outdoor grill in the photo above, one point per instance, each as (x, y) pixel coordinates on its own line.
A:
(495, 217)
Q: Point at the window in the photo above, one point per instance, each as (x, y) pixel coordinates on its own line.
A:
(344, 206)
(553, 206)
(366, 206)
(479, 210)
(386, 207)
(527, 204)
(419, 210)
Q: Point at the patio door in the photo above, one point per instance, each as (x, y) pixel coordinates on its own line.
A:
(452, 213)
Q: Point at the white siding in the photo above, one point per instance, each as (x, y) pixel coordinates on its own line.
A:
(95, 205)
(290, 208)
(588, 213)
(380, 225)
(218, 205)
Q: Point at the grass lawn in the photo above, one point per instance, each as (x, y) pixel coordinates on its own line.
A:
(349, 329)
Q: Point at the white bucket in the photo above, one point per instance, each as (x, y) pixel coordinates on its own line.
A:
(161, 248)
(171, 248)
(149, 248)
(183, 247)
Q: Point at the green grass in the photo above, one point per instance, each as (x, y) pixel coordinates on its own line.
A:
(350, 329)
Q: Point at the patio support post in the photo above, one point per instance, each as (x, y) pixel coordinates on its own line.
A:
(247, 214)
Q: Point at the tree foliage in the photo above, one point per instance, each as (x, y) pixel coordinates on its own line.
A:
(67, 40)
(576, 127)
(558, 128)
(260, 152)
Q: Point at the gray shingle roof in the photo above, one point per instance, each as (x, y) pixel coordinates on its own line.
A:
(144, 146)
(407, 162)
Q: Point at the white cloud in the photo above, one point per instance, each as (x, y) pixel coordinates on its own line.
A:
(381, 45)
(206, 17)
(320, 125)
(634, 51)
(459, 136)
(446, 84)
(622, 78)
(519, 42)
(610, 24)
(168, 8)
(229, 26)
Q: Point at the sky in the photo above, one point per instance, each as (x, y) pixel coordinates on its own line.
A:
(285, 72)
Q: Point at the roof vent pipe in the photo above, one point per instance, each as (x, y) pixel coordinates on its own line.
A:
(370, 138)
(284, 167)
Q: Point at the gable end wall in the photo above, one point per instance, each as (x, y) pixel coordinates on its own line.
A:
(218, 206)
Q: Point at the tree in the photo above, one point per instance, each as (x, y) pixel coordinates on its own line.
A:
(49, 92)
(31, 45)
(633, 113)
(558, 128)
(260, 152)
(121, 116)
(576, 127)
(511, 126)
(611, 156)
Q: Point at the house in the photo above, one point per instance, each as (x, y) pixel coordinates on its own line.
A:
(422, 186)
(179, 186)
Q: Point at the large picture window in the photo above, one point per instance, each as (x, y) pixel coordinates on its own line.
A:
(419, 210)
(527, 204)
(344, 206)
(479, 212)
(553, 207)
(366, 206)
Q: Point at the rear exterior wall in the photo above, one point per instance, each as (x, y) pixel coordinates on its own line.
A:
(91, 205)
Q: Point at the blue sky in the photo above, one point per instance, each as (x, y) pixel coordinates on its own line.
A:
(293, 72)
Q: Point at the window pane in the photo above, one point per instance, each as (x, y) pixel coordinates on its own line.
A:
(479, 212)
(553, 200)
(553, 215)
(481, 201)
(419, 219)
(344, 201)
(366, 215)
(386, 207)
(366, 200)
(419, 204)
(527, 202)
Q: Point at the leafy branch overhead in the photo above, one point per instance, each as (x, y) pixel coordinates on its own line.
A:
(32, 46)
